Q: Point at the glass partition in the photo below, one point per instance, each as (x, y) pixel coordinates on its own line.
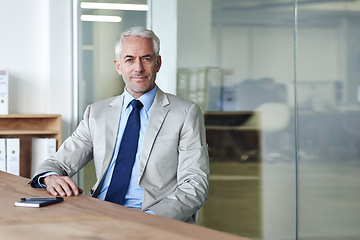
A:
(97, 77)
(99, 26)
(280, 96)
(247, 95)
(328, 76)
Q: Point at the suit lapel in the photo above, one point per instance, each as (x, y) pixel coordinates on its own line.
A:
(112, 119)
(156, 119)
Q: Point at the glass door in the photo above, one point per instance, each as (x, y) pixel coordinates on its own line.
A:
(99, 24)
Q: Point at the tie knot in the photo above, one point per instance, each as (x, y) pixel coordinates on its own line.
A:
(136, 104)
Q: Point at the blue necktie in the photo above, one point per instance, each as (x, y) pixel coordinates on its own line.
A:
(120, 179)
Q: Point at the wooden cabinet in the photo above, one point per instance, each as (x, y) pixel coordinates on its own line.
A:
(233, 136)
(27, 126)
(235, 194)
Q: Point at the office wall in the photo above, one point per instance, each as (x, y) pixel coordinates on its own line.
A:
(36, 48)
(262, 51)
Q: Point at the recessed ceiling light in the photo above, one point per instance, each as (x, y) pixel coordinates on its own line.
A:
(100, 18)
(114, 6)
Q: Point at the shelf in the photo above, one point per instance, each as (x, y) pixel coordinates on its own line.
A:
(22, 116)
(237, 128)
(28, 132)
(240, 120)
(233, 136)
(27, 126)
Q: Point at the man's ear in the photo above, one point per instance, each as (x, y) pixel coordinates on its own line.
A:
(158, 63)
(117, 66)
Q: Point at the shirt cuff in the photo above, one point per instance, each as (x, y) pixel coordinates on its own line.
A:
(36, 183)
(149, 211)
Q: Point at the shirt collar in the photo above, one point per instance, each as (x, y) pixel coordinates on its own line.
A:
(147, 99)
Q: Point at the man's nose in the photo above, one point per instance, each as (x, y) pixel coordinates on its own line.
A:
(139, 66)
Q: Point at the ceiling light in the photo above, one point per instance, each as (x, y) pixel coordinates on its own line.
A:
(114, 6)
(100, 18)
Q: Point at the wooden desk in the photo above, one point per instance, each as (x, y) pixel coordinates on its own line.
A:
(84, 217)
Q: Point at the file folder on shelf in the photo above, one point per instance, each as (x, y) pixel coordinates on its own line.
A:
(42, 148)
(4, 92)
(13, 156)
(2, 155)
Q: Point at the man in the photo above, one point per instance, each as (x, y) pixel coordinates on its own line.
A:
(169, 176)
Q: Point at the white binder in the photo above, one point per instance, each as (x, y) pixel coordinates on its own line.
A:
(2, 155)
(4, 92)
(13, 155)
(42, 148)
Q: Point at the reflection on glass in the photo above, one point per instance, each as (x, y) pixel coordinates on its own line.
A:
(248, 102)
(329, 120)
(98, 78)
(283, 165)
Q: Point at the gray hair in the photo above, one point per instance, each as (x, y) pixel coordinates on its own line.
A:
(140, 32)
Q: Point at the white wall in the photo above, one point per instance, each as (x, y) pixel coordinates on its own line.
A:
(36, 48)
(268, 52)
(262, 52)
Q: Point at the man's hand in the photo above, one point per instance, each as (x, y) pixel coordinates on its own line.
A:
(61, 185)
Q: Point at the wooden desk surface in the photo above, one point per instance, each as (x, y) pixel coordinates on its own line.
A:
(84, 217)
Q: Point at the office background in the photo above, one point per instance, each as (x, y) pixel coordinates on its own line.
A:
(278, 82)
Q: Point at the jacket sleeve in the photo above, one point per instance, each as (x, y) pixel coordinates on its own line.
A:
(74, 153)
(191, 190)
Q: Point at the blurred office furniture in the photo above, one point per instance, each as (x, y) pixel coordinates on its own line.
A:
(319, 95)
(230, 139)
(274, 123)
(27, 126)
(251, 93)
(331, 133)
(235, 169)
(203, 86)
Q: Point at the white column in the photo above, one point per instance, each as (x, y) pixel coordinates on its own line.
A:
(60, 77)
(163, 21)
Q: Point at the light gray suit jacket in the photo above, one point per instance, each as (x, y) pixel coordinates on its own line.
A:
(174, 162)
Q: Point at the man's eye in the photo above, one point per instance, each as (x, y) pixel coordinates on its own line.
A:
(128, 60)
(147, 59)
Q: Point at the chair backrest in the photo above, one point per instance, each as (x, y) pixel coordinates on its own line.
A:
(273, 116)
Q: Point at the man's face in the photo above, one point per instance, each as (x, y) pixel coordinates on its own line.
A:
(138, 65)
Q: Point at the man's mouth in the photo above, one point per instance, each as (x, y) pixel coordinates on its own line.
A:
(139, 78)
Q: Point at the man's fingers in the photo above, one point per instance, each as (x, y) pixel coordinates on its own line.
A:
(73, 187)
(52, 191)
(60, 190)
(55, 190)
(66, 188)
(61, 185)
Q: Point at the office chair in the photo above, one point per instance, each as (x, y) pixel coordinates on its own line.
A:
(274, 120)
